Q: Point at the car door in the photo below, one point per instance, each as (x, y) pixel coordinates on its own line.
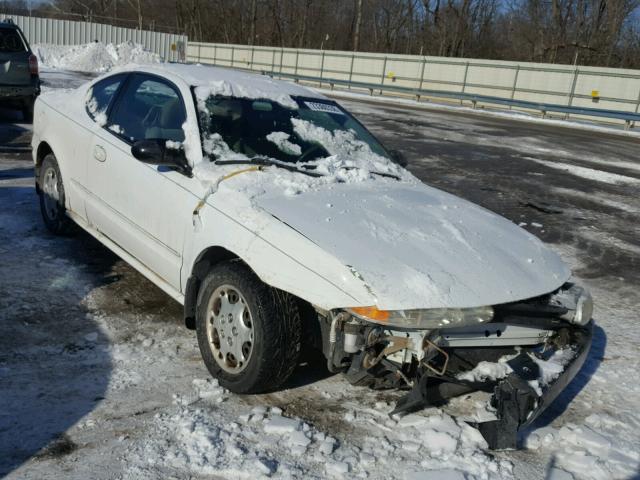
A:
(144, 209)
(97, 102)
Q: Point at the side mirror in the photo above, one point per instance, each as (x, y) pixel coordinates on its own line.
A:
(154, 151)
(398, 157)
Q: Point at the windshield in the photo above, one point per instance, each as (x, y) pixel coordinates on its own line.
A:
(10, 41)
(252, 128)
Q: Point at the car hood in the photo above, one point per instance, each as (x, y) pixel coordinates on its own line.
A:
(414, 246)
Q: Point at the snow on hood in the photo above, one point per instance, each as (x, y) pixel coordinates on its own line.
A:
(417, 247)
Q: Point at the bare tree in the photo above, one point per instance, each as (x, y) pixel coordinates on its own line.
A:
(254, 19)
(137, 6)
(356, 33)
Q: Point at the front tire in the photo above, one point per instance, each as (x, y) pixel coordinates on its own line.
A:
(52, 197)
(249, 334)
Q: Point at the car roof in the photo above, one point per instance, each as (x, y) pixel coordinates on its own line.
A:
(196, 75)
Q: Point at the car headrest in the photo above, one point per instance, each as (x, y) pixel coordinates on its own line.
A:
(228, 109)
(172, 114)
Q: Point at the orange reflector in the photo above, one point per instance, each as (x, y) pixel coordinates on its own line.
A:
(371, 312)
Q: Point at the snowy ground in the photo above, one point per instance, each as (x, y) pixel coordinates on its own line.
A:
(98, 378)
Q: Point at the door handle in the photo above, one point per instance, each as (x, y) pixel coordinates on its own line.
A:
(99, 153)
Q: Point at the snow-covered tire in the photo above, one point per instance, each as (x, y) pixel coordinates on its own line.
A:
(52, 197)
(234, 304)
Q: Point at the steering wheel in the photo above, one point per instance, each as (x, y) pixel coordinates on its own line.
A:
(314, 148)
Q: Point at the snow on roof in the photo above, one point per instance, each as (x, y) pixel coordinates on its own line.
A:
(198, 75)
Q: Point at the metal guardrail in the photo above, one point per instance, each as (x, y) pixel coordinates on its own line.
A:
(628, 117)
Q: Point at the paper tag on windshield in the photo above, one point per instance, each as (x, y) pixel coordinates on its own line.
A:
(323, 107)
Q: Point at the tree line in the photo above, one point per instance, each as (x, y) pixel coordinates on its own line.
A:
(585, 32)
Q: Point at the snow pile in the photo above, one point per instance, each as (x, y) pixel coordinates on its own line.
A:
(93, 57)
(263, 442)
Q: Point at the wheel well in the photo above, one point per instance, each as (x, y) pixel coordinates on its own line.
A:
(312, 333)
(43, 150)
(207, 259)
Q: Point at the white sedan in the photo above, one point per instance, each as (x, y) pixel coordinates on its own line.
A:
(281, 223)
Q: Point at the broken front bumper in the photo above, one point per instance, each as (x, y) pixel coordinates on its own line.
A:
(517, 399)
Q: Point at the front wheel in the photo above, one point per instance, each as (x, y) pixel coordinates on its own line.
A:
(249, 334)
(52, 198)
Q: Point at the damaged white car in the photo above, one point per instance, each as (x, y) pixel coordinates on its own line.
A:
(281, 223)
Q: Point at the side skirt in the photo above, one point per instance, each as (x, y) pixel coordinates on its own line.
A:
(127, 257)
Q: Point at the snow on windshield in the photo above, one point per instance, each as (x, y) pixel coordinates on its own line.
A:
(215, 146)
(281, 140)
(338, 168)
(226, 89)
(347, 159)
(345, 150)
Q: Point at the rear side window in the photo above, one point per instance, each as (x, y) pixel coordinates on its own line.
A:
(11, 41)
(148, 108)
(99, 97)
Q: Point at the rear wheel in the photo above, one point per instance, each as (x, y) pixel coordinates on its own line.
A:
(249, 334)
(52, 198)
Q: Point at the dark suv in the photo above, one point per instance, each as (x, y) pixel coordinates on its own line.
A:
(19, 80)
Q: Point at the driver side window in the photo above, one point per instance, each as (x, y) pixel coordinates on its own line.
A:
(148, 108)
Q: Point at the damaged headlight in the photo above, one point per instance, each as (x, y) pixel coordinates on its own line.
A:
(427, 319)
(577, 301)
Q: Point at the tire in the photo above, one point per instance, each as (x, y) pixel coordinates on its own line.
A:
(267, 333)
(27, 109)
(52, 197)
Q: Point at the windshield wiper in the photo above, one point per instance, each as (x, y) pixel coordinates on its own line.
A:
(308, 169)
(386, 175)
(374, 172)
(268, 163)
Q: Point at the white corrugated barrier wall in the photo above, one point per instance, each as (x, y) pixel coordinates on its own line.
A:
(578, 86)
(169, 46)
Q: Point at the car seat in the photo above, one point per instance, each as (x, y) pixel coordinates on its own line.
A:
(166, 121)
